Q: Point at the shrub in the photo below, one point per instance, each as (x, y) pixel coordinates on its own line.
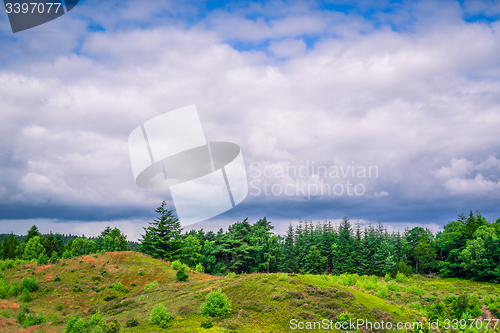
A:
(118, 287)
(231, 274)
(111, 327)
(282, 277)
(160, 317)
(392, 287)
(59, 306)
(382, 293)
(387, 277)
(30, 284)
(25, 296)
(54, 258)
(451, 289)
(181, 276)
(132, 322)
(200, 268)
(217, 304)
(400, 278)
(207, 323)
(14, 289)
(176, 264)
(151, 285)
(43, 259)
(76, 324)
(414, 290)
(343, 317)
(67, 255)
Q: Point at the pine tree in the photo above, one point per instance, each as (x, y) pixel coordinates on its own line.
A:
(289, 258)
(162, 237)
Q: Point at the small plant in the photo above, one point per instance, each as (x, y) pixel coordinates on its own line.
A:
(67, 255)
(133, 284)
(57, 278)
(54, 258)
(181, 276)
(141, 273)
(118, 287)
(59, 306)
(25, 296)
(207, 323)
(132, 322)
(111, 327)
(217, 304)
(43, 259)
(231, 274)
(451, 289)
(160, 317)
(199, 268)
(344, 317)
(282, 277)
(30, 284)
(151, 285)
(400, 278)
(176, 264)
(387, 277)
(14, 289)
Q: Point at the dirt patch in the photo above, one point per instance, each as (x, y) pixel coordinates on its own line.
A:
(43, 267)
(4, 304)
(30, 265)
(487, 313)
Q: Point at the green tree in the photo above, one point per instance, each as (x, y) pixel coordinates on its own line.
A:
(162, 237)
(289, 257)
(33, 249)
(425, 255)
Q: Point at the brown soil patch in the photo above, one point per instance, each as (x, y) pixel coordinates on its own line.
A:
(29, 265)
(43, 267)
(4, 304)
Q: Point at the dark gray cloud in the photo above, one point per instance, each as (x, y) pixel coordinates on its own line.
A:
(421, 106)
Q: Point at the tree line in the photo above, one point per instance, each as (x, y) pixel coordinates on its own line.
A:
(55, 246)
(468, 247)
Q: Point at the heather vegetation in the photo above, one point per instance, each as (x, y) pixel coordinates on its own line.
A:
(248, 278)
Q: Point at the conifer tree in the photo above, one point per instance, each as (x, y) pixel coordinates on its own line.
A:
(162, 237)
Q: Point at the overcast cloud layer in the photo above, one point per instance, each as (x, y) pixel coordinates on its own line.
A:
(411, 90)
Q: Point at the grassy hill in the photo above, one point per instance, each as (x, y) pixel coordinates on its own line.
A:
(121, 285)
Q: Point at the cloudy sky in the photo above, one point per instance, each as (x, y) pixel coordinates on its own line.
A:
(408, 88)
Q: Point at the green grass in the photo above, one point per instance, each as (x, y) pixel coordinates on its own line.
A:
(126, 285)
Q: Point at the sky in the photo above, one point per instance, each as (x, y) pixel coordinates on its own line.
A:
(408, 90)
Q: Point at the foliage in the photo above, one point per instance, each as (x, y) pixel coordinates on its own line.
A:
(162, 237)
(118, 287)
(76, 324)
(176, 265)
(151, 285)
(26, 296)
(34, 248)
(181, 275)
(207, 323)
(200, 268)
(30, 284)
(43, 259)
(132, 322)
(216, 305)
(160, 317)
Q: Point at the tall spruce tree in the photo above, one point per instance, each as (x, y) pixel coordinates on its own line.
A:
(162, 237)
(289, 257)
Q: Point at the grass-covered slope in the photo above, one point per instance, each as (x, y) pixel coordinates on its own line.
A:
(121, 285)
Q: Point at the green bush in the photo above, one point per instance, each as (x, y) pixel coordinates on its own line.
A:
(4, 289)
(118, 287)
(344, 317)
(181, 276)
(59, 306)
(176, 265)
(207, 323)
(400, 278)
(132, 322)
(30, 284)
(151, 285)
(392, 287)
(25, 296)
(14, 289)
(67, 255)
(76, 324)
(282, 277)
(200, 268)
(43, 259)
(217, 304)
(54, 258)
(160, 317)
(387, 277)
(111, 327)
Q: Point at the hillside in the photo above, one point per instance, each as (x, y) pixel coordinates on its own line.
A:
(260, 302)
